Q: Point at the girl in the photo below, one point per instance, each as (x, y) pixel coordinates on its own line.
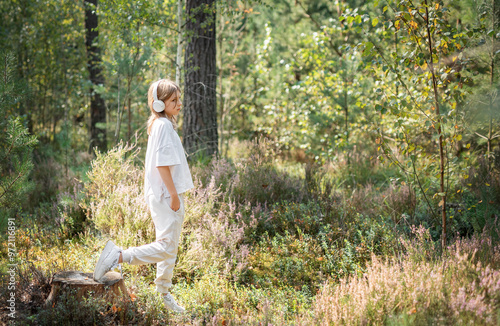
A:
(167, 177)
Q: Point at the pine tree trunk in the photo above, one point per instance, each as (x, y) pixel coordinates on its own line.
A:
(200, 110)
(97, 107)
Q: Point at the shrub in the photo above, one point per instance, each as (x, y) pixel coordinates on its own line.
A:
(115, 197)
(254, 179)
(213, 237)
(398, 202)
(72, 218)
(478, 201)
(293, 260)
(484, 182)
(300, 247)
(213, 300)
(419, 247)
(454, 289)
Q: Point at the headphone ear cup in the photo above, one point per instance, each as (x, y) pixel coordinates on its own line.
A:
(158, 106)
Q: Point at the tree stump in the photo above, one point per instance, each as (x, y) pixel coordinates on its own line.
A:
(110, 287)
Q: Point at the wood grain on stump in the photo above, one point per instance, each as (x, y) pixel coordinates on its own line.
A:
(111, 285)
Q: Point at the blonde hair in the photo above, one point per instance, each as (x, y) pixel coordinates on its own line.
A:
(166, 89)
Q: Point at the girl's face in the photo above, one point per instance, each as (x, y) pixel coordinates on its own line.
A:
(173, 105)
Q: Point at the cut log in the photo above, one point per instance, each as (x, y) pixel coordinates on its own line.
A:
(110, 287)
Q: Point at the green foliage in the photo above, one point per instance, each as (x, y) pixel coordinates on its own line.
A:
(16, 163)
(69, 307)
(214, 297)
(337, 89)
(16, 143)
(479, 210)
(300, 244)
(47, 39)
(419, 79)
(246, 260)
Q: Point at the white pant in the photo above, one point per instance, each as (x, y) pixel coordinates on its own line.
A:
(163, 252)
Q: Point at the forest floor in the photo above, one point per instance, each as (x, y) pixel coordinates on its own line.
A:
(262, 244)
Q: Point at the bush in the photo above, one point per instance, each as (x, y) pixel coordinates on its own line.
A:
(115, 197)
(449, 290)
(213, 300)
(253, 180)
(213, 242)
(296, 245)
(291, 260)
(479, 202)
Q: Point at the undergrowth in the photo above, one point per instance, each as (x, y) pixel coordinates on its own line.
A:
(269, 242)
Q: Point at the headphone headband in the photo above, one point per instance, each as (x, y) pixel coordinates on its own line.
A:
(155, 90)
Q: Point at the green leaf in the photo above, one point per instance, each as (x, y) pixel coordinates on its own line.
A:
(374, 22)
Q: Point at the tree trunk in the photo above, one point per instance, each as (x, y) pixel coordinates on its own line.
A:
(200, 110)
(97, 107)
(495, 19)
(178, 57)
(221, 88)
(129, 113)
(442, 155)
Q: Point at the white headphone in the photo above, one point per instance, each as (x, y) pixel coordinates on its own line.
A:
(158, 105)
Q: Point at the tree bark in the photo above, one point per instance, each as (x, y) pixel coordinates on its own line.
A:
(178, 58)
(110, 287)
(442, 157)
(97, 107)
(200, 110)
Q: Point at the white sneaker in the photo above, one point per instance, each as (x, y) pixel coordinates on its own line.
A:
(170, 303)
(108, 260)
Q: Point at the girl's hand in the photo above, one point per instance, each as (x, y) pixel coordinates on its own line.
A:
(175, 203)
(166, 176)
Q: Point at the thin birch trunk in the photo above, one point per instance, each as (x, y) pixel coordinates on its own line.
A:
(178, 59)
(221, 90)
(118, 111)
(439, 130)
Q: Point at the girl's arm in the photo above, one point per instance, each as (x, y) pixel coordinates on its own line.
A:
(166, 176)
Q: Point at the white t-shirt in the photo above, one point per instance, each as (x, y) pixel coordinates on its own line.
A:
(165, 149)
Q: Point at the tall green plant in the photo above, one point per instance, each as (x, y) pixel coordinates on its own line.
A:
(420, 91)
(16, 144)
